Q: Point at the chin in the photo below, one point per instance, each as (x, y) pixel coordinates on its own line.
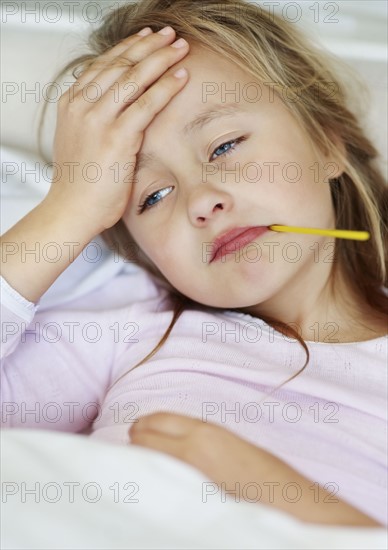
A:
(228, 302)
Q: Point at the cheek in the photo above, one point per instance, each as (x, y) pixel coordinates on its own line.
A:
(305, 197)
(161, 247)
(140, 235)
(294, 172)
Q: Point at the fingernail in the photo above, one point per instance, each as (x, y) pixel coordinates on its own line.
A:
(179, 43)
(145, 31)
(181, 73)
(166, 30)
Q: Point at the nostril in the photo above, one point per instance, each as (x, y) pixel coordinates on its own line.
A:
(219, 205)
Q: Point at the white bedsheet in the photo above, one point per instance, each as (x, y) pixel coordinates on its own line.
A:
(171, 512)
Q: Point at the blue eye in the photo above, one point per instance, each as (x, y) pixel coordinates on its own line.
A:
(150, 202)
(156, 197)
(228, 147)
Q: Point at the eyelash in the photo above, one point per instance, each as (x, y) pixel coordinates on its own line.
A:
(237, 141)
(143, 206)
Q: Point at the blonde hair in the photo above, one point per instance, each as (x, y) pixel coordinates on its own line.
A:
(272, 51)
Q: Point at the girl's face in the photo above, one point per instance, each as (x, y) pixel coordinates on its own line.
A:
(247, 164)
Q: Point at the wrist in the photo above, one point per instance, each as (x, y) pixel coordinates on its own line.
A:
(77, 222)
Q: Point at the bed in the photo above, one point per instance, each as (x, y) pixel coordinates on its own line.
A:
(57, 491)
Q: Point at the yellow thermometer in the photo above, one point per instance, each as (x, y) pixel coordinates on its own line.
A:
(337, 233)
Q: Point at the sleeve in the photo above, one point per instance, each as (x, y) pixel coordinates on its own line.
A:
(55, 365)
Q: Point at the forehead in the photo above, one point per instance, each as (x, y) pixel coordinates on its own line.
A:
(214, 90)
(211, 76)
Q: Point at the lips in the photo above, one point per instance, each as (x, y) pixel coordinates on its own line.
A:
(235, 239)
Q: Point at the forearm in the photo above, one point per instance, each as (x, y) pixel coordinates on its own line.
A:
(305, 499)
(36, 250)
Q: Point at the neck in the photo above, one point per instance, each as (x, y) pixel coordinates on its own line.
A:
(327, 309)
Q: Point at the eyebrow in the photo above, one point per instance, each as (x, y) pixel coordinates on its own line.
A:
(197, 123)
(143, 160)
(203, 118)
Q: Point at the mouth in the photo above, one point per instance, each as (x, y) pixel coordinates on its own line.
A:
(234, 240)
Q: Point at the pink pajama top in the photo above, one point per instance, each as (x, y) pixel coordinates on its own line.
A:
(329, 423)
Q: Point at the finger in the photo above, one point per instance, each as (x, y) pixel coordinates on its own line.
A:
(108, 57)
(101, 61)
(139, 115)
(178, 448)
(108, 68)
(132, 84)
(158, 442)
(168, 424)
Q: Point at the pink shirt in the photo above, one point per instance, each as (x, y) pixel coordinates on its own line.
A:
(329, 423)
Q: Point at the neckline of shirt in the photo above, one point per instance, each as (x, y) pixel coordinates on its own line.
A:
(246, 316)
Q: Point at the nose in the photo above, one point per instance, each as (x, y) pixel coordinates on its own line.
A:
(206, 203)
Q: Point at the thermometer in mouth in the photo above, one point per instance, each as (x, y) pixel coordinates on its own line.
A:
(337, 233)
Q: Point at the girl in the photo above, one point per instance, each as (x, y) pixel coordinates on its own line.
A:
(214, 123)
